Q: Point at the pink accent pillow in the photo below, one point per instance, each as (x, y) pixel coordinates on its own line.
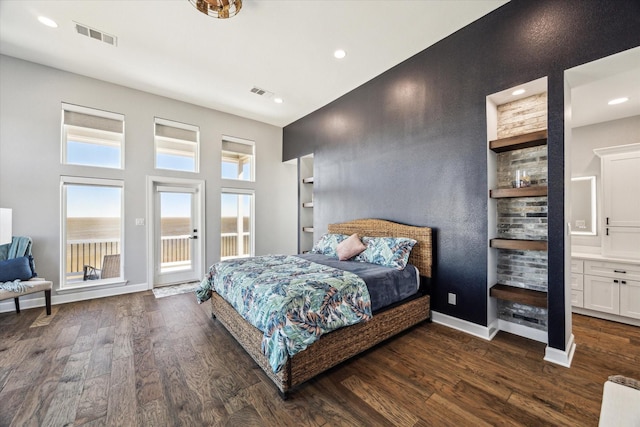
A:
(350, 247)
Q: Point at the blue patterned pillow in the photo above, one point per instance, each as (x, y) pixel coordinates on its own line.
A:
(328, 244)
(387, 251)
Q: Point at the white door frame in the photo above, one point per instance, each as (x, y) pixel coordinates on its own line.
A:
(152, 183)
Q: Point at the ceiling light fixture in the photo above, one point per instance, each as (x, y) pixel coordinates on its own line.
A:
(518, 92)
(221, 9)
(278, 100)
(618, 101)
(339, 54)
(47, 21)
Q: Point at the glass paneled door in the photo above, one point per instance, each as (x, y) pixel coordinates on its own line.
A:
(177, 231)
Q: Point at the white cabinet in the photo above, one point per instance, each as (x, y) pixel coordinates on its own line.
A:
(621, 242)
(630, 299)
(621, 189)
(577, 283)
(608, 287)
(620, 167)
(602, 294)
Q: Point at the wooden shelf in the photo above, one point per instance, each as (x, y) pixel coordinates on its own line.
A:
(525, 245)
(519, 295)
(307, 204)
(308, 180)
(307, 229)
(518, 192)
(527, 140)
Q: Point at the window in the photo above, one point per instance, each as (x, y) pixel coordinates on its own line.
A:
(237, 159)
(236, 224)
(176, 145)
(92, 137)
(92, 231)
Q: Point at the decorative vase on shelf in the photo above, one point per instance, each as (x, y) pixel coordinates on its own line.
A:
(521, 180)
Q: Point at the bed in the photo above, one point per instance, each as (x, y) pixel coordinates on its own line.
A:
(339, 345)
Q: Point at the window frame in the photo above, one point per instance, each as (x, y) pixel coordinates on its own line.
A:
(92, 182)
(252, 219)
(109, 138)
(247, 142)
(182, 126)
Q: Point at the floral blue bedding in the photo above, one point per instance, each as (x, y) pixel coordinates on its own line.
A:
(293, 301)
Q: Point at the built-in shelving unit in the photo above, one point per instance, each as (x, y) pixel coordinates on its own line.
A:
(518, 233)
(305, 200)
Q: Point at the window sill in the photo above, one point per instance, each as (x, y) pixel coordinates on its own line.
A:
(96, 284)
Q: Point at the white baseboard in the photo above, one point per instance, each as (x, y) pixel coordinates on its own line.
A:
(561, 357)
(80, 295)
(484, 332)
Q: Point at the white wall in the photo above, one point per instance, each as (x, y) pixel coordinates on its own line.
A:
(30, 168)
(585, 163)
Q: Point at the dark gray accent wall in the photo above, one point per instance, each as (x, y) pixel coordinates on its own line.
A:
(410, 145)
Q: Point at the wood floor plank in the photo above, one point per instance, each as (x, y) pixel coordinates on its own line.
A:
(94, 400)
(44, 383)
(374, 397)
(122, 405)
(62, 409)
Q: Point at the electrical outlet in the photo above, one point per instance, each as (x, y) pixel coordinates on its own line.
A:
(139, 221)
(452, 298)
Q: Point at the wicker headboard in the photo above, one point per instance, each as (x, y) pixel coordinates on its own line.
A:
(421, 254)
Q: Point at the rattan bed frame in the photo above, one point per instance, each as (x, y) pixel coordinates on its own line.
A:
(342, 344)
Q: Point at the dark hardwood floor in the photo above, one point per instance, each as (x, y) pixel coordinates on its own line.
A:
(137, 360)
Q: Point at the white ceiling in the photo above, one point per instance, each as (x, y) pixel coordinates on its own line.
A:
(596, 83)
(167, 47)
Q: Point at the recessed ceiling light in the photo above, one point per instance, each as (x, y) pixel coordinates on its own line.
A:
(518, 92)
(47, 21)
(278, 100)
(618, 101)
(339, 54)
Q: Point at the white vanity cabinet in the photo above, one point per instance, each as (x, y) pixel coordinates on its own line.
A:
(611, 288)
(620, 168)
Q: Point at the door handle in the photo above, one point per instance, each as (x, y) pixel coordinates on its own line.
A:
(620, 271)
(193, 237)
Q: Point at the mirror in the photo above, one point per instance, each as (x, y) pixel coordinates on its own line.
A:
(583, 206)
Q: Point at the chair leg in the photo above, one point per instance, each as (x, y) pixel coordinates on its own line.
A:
(47, 299)
(17, 304)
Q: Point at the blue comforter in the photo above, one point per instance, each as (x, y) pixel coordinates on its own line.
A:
(291, 300)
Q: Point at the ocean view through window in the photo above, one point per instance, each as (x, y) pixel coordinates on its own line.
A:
(92, 230)
(236, 224)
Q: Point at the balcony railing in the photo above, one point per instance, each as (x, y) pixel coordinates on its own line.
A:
(174, 249)
(88, 252)
(229, 245)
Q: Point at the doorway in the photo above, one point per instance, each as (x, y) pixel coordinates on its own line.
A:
(176, 230)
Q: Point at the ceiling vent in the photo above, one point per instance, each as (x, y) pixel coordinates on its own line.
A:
(261, 92)
(96, 34)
